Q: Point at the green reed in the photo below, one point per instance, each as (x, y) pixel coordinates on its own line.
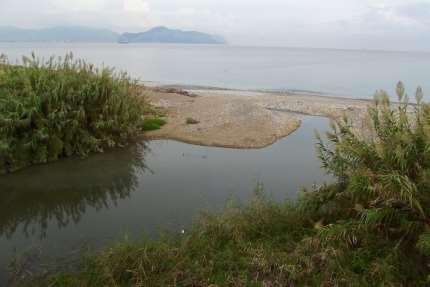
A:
(62, 107)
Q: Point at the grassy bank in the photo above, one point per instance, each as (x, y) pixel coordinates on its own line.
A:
(371, 228)
(64, 107)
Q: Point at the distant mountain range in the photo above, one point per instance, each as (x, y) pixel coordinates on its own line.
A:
(85, 34)
(57, 34)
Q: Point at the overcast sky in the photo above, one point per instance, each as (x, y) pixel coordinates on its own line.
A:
(371, 24)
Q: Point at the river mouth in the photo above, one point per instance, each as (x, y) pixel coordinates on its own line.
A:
(144, 189)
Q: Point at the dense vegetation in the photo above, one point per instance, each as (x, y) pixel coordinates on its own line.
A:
(370, 228)
(152, 123)
(64, 107)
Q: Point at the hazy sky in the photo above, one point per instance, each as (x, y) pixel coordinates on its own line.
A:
(380, 24)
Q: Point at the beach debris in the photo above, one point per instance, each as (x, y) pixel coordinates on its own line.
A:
(191, 121)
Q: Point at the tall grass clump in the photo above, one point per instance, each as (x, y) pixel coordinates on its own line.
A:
(369, 228)
(377, 218)
(64, 107)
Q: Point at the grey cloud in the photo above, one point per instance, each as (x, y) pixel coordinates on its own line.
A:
(312, 23)
(419, 12)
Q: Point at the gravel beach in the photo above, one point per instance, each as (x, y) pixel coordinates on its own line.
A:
(243, 119)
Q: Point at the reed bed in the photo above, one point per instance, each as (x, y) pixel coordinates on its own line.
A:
(62, 107)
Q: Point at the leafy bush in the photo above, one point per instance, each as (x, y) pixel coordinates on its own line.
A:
(64, 107)
(371, 228)
(150, 124)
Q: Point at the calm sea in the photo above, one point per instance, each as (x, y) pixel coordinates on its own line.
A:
(347, 73)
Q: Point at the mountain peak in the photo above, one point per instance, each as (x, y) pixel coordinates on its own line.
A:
(163, 34)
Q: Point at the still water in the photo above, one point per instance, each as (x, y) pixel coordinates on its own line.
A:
(52, 210)
(347, 73)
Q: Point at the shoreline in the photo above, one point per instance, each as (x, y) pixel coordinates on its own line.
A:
(296, 92)
(242, 119)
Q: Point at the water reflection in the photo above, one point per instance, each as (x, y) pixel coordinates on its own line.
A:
(62, 192)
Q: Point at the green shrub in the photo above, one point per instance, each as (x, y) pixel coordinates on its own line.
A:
(64, 107)
(150, 124)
